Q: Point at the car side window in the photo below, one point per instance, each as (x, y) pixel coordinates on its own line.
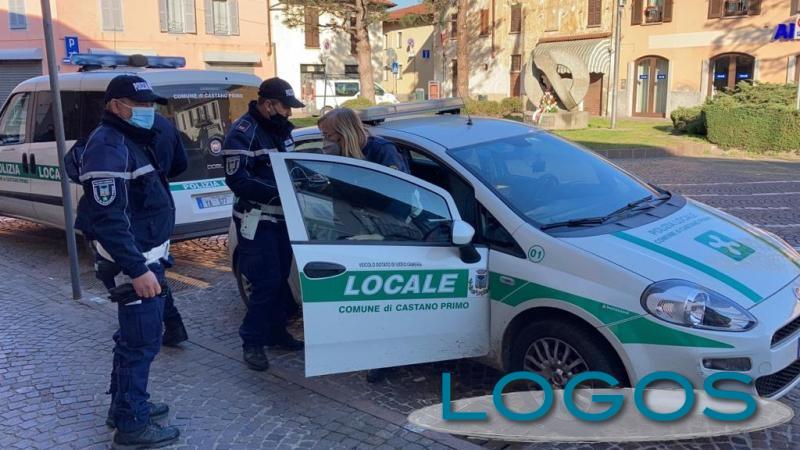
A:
(92, 106)
(43, 128)
(342, 202)
(346, 89)
(379, 91)
(497, 237)
(14, 120)
(308, 146)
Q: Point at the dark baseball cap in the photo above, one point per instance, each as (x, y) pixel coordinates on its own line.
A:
(277, 89)
(134, 88)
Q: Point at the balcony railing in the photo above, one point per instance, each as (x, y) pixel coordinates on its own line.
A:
(654, 14)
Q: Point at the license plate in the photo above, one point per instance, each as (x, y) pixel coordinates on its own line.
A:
(214, 201)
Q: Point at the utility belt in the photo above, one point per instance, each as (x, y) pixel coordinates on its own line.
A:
(152, 256)
(255, 214)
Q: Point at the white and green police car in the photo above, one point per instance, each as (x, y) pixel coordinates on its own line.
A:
(510, 244)
(202, 105)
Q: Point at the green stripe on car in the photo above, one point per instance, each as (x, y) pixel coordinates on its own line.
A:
(693, 263)
(386, 285)
(625, 324)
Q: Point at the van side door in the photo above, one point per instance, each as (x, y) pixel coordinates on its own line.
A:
(15, 187)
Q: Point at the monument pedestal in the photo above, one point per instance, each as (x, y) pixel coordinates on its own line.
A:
(562, 120)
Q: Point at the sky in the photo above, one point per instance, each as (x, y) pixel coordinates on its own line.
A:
(404, 3)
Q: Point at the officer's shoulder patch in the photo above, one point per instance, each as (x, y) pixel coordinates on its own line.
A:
(243, 125)
(104, 190)
(232, 165)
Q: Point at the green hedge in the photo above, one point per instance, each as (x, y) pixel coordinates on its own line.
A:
(689, 120)
(490, 108)
(358, 103)
(755, 128)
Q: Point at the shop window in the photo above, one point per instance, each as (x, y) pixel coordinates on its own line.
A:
(730, 69)
(594, 13)
(733, 8)
(651, 11)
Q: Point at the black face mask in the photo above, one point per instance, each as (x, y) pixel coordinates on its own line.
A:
(276, 124)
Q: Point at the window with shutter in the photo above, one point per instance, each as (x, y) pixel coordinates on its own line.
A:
(453, 26)
(353, 40)
(795, 7)
(714, 9)
(516, 63)
(189, 18)
(654, 11)
(484, 22)
(17, 20)
(516, 18)
(736, 8)
(175, 16)
(595, 13)
(637, 12)
(222, 17)
(111, 11)
(668, 7)
(312, 27)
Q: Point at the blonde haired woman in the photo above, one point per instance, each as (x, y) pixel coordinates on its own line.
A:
(345, 135)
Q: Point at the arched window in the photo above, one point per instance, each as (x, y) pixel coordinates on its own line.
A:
(729, 69)
(652, 87)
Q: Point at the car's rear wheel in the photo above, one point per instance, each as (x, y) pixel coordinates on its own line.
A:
(325, 110)
(560, 349)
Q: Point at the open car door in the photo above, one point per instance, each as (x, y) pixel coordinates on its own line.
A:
(387, 272)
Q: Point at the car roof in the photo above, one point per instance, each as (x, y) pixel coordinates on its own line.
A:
(158, 77)
(450, 130)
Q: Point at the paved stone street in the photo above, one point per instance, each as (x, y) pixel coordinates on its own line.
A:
(55, 353)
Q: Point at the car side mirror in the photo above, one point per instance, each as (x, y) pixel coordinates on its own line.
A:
(462, 233)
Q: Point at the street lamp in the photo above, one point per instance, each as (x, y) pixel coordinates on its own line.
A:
(617, 43)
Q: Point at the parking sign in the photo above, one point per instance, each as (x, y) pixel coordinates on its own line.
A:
(71, 47)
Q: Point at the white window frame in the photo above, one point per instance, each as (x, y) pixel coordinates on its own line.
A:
(116, 26)
(175, 10)
(16, 8)
(228, 22)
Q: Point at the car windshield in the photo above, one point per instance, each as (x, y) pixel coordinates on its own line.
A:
(549, 181)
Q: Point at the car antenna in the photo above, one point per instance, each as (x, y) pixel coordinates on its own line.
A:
(466, 110)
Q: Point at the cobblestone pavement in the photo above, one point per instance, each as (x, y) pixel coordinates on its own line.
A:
(55, 353)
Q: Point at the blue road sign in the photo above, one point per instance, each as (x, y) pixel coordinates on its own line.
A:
(395, 67)
(426, 54)
(71, 46)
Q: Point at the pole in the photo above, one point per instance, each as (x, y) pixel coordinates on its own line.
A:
(58, 121)
(617, 44)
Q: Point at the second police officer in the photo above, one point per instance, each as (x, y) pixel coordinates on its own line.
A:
(264, 253)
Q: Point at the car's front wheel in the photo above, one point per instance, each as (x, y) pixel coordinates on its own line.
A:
(558, 350)
(245, 288)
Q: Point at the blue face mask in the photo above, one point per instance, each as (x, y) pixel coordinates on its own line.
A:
(142, 116)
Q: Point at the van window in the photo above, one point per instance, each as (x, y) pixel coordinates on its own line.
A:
(203, 113)
(43, 128)
(93, 104)
(14, 120)
(379, 90)
(346, 89)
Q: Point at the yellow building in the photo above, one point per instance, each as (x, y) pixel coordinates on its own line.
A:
(409, 43)
(678, 52)
(505, 38)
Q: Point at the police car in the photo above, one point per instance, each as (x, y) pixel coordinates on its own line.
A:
(202, 105)
(510, 244)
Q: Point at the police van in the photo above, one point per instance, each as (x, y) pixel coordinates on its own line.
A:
(202, 105)
(512, 245)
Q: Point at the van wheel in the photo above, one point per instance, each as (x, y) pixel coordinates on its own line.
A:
(245, 288)
(558, 350)
(325, 110)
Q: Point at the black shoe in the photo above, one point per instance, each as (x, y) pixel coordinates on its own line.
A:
(287, 342)
(157, 411)
(376, 375)
(255, 358)
(174, 334)
(151, 436)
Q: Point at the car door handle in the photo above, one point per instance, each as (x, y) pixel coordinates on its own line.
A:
(323, 269)
(33, 164)
(508, 281)
(24, 163)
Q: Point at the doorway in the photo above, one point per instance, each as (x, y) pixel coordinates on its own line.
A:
(652, 78)
(730, 69)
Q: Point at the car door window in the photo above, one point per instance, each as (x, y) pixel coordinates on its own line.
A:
(342, 202)
(14, 119)
(43, 128)
(308, 146)
(92, 104)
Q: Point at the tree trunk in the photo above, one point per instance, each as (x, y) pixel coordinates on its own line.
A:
(364, 51)
(463, 49)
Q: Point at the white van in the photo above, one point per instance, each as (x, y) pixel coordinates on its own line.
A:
(202, 105)
(340, 91)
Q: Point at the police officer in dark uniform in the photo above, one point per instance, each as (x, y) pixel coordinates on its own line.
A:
(171, 154)
(127, 208)
(264, 254)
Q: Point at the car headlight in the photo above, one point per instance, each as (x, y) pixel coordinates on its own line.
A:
(688, 304)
